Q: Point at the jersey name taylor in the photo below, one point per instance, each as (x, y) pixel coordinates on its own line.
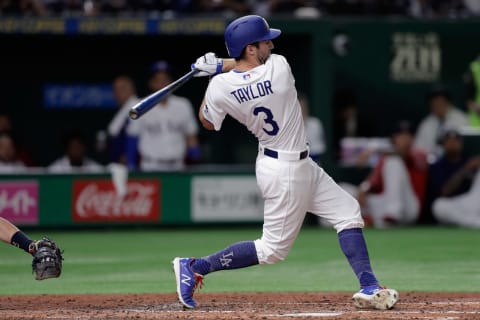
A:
(253, 91)
(264, 99)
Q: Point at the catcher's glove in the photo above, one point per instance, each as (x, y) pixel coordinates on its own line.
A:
(47, 259)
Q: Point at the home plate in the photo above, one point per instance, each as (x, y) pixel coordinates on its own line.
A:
(311, 314)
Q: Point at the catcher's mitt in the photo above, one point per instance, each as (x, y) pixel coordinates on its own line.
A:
(47, 259)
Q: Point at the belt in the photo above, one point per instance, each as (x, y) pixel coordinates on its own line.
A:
(284, 155)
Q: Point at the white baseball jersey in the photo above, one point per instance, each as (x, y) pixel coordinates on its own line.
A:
(161, 134)
(264, 99)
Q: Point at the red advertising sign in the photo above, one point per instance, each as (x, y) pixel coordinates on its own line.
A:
(97, 201)
(19, 201)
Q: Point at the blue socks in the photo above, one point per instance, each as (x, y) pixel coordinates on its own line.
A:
(238, 255)
(244, 254)
(355, 249)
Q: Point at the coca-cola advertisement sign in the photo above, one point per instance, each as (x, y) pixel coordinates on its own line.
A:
(97, 201)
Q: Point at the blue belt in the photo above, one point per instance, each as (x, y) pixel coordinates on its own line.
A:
(274, 154)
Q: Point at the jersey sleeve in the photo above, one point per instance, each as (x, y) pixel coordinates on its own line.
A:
(280, 60)
(213, 111)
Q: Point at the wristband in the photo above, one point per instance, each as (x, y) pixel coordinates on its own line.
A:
(219, 66)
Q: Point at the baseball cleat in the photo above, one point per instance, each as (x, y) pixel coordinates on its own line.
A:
(375, 297)
(187, 281)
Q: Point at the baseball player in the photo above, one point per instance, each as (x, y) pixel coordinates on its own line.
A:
(258, 90)
(47, 257)
(171, 127)
(125, 95)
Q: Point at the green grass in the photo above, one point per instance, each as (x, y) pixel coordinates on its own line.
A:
(415, 259)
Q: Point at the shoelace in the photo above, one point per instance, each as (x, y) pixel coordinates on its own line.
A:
(198, 282)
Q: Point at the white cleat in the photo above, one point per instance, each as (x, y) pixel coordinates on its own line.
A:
(375, 297)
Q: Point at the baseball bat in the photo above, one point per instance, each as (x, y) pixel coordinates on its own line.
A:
(149, 102)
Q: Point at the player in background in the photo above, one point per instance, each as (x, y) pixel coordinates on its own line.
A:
(313, 129)
(394, 191)
(257, 88)
(9, 162)
(125, 96)
(472, 88)
(443, 116)
(168, 135)
(75, 159)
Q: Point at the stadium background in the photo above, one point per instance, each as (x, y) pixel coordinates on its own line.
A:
(41, 51)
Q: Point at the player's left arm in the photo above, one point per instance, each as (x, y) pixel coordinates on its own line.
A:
(210, 65)
(205, 123)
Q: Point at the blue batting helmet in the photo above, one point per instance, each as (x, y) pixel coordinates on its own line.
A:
(246, 30)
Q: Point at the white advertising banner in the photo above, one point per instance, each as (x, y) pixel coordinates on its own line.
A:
(226, 198)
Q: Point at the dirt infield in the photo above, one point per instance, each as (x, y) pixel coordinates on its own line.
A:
(264, 306)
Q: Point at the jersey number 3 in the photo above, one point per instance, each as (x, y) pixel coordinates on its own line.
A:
(268, 120)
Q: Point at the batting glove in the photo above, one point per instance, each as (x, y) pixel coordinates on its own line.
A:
(208, 65)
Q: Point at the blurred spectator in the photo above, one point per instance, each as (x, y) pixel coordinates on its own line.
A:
(125, 96)
(365, 7)
(9, 163)
(228, 7)
(5, 123)
(348, 120)
(22, 7)
(168, 134)
(395, 189)
(116, 6)
(443, 115)
(22, 153)
(72, 7)
(451, 175)
(472, 81)
(437, 8)
(301, 8)
(75, 159)
(462, 210)
(473, 7)
(314, 130)
(297, 8)
(146, 6)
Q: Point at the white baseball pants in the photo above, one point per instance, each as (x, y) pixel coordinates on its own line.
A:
(290, 189)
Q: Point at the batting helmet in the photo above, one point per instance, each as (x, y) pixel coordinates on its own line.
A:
(246, 30)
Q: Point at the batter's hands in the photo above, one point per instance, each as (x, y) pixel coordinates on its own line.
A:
(208, 64)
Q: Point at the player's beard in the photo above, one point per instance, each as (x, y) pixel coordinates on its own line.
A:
(263, 58)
